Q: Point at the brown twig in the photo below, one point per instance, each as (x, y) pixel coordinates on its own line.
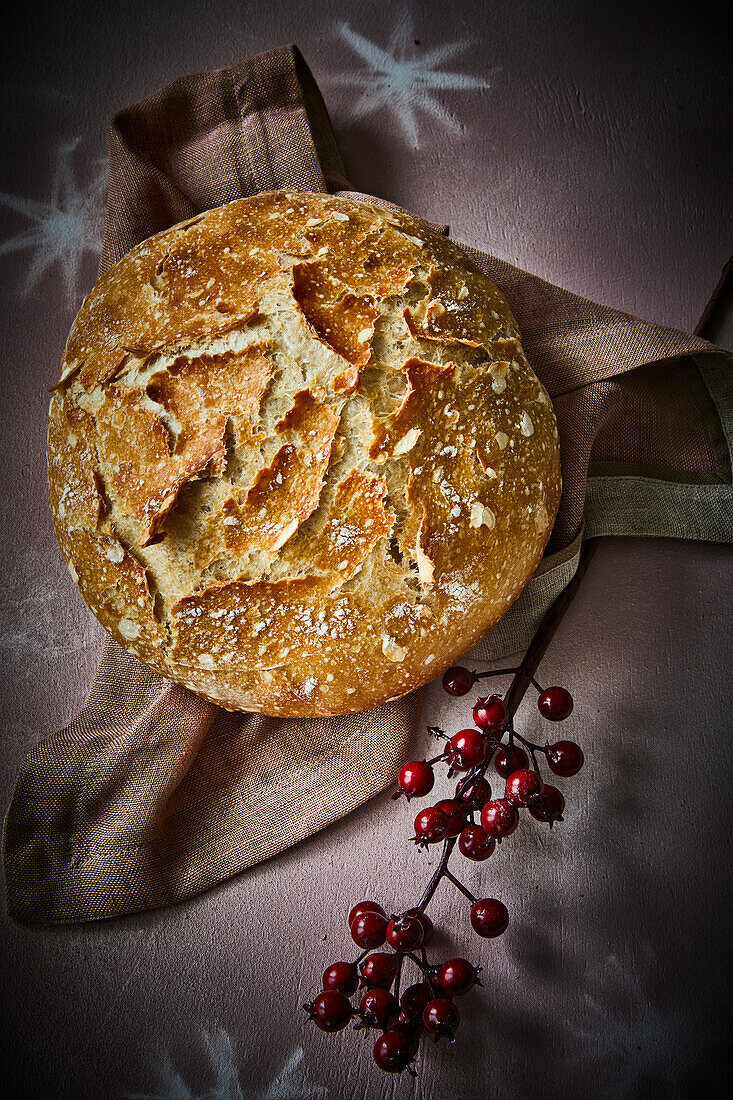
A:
(523, 677)
(709, 314)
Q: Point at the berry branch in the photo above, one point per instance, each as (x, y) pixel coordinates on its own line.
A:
(428, 1006)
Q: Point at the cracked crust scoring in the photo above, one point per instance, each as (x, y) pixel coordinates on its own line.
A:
(297, 459)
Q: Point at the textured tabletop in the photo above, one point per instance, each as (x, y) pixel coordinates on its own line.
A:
(585, 143)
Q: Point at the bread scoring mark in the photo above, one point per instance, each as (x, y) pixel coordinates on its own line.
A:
(482, 515)
(144, 473)
(461, 309)
(195, 386)
(340, 318)
(408, 441)
(455, 407)
(390, 433)
(238, 527)
(68, 372)
(115, 585)
(423, 331)
(178, 283)
(525, 425)
(285, 492)
(352, 526)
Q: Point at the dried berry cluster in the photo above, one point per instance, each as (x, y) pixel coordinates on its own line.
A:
(428, 1006)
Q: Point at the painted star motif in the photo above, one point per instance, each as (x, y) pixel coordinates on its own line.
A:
(288, 1084)
(62, 230)
(406, 84)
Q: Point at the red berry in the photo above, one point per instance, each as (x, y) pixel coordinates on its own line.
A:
(456, 814)
(369, 930)
(379, 1008)
(490, 713)
(521, 786)
(565, 758)
(499, 818)
(489, 917)
(427, 925)
(476, 794)
(467, 750)
(365, 907)
(431, 825)
(458, 680)
(547, 806)
(404, 933)
(341, 976)
(441, 1017)
(414, 999)
(330, 1010)
(378, 969)
(475, 843)
(508, 762)
(555, 703)
(411, 1028)
(457, 976)
(394, 1051)
(416, 778)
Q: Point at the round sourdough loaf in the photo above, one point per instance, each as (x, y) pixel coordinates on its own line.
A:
(298, 461)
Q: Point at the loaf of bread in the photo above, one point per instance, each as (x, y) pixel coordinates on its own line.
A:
(298, 462)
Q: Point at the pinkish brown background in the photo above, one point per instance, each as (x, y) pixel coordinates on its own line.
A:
(589, 143)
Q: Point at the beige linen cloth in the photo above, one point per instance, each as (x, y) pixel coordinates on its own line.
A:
(151, 795)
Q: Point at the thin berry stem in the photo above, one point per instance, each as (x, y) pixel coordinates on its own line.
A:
(528, 744)
(535, 765)
(494, 672)
(413, 957)
(531, 746)
(432, 886)
(398, 976)
(532, 749)
(477, 773)
(459, 885)
(426, 968)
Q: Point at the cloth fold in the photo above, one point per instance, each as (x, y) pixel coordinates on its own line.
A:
(151, 795)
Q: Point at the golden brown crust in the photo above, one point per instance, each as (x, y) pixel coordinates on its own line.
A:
(297, 459)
